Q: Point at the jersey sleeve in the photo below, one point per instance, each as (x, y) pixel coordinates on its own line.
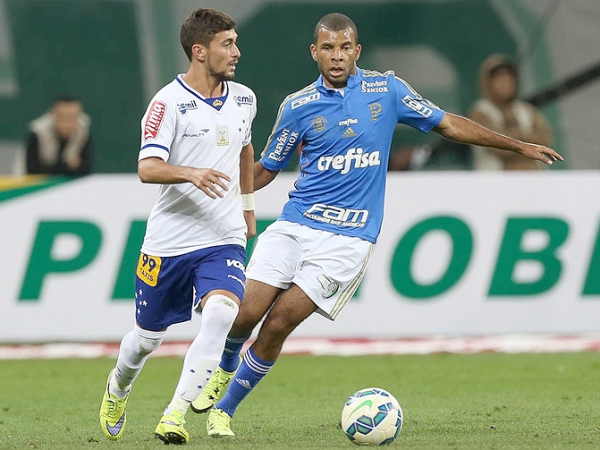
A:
(283, 141)
(158, 130)
(414, 110)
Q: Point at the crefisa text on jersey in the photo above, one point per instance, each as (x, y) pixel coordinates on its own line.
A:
(356, 157)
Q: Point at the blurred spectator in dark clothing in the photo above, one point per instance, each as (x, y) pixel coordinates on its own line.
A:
(59, 142)
(499, 110)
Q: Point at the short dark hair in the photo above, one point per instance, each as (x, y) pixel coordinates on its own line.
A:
(65, 98)
(335, 22)
(507, 65)
(201, 26)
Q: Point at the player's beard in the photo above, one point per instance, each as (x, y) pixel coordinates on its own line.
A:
(222, 75)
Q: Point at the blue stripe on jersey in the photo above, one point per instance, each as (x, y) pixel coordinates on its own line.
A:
(216, 102)
(346, 144)
(157, 146)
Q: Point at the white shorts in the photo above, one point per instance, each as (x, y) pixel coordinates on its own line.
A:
(328, 267)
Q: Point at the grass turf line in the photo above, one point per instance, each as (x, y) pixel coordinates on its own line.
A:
(484, 401)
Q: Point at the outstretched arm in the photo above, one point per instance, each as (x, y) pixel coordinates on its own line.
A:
(461, 129)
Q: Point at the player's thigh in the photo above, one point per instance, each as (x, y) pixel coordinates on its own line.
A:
(219, 269)
(163, 291)
(258, 298)
(290, 310)
(331, 270)
(275, 258)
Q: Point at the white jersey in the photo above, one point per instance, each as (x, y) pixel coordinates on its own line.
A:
(182, 128)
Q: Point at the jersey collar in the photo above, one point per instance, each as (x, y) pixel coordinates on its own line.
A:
(216, 102)
(353, 80)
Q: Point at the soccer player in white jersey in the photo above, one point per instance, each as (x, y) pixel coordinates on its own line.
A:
(196, 144)
(313, 258)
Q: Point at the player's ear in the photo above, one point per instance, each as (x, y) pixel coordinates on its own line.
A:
(358, 50)
(313, 51)
(199, 52)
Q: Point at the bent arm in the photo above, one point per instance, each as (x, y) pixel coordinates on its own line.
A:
(262, 176)
(209, 181)
(157, 171)
(247, 169)
(461, 129)
(247, 187)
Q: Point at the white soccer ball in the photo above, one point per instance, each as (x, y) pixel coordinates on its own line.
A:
(372, 416)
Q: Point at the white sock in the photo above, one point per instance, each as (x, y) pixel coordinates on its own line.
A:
(204, 354)
(135, 348)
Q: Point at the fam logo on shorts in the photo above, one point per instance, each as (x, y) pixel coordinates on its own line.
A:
(329, 286)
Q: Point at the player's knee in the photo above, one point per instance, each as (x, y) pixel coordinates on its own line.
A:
(221, 309)
(148, 341)
(279, 327)
(245, 322)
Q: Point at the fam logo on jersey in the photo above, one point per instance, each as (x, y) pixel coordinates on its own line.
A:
(418, 106)
(355, 158)
(319, 123)
(285, 142)
(217, 103)
(371, 87)
(183, 108)
(154, 118)
(334, 215)
(304, 100)
(243, 99)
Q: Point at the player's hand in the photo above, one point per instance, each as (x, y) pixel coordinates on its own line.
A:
(250, 219)
(210, 181)
(541, 153)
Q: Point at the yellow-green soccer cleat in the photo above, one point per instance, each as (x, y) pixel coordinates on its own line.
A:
(213, 389)
(170, 429)
(112, 413)
(219, 423)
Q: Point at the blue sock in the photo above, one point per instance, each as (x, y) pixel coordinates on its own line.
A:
(231, 354)
(251, 371)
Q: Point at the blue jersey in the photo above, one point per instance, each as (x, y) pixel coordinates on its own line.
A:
(345, 149)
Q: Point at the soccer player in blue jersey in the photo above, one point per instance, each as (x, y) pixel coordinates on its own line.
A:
(196, 143)
(313, 257)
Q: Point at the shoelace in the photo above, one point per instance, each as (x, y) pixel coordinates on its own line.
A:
(113, 404)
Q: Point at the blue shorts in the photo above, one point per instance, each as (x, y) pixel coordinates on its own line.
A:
(164, 286)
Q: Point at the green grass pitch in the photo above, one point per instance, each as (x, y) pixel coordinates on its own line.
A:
(484, 401)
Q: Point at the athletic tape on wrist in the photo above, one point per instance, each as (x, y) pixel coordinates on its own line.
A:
(248, 203)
